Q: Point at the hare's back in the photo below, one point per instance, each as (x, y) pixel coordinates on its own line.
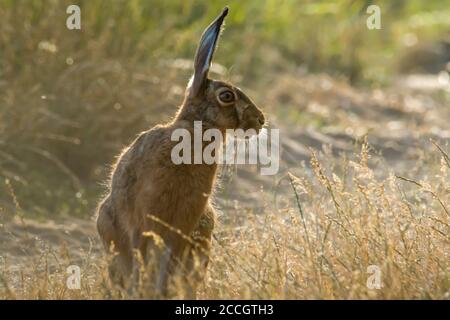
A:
(146, 153)
(148, 149)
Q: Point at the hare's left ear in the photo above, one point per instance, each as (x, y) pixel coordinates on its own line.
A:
(205, 52)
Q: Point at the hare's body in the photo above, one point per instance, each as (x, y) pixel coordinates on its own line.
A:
(151, 197)
(146, 182)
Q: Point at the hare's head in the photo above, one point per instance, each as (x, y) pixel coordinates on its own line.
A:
(216, 103)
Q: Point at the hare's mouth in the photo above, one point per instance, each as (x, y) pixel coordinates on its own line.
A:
(253, 124)
(251, 129)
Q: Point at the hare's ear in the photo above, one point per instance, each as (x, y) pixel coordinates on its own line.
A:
(205, 52)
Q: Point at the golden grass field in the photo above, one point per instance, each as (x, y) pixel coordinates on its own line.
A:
(365, 168)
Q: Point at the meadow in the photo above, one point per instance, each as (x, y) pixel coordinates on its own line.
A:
(364, 127)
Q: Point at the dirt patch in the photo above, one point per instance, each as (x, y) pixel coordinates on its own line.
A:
(24, 240)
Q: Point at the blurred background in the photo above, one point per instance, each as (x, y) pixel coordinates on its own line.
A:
(70, 100)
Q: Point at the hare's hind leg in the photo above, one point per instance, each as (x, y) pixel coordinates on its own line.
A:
(114, 239)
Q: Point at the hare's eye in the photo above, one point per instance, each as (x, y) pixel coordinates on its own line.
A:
(226, 96)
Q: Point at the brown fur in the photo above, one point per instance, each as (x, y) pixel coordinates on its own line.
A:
(145, 182)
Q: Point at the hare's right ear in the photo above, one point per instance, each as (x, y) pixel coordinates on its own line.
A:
(204, 54)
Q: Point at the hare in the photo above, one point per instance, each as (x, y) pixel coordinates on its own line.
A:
(150, 195)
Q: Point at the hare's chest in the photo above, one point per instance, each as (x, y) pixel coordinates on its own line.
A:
(178, 189)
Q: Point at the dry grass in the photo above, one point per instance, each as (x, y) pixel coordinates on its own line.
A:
(341, 219)
(341, 224)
